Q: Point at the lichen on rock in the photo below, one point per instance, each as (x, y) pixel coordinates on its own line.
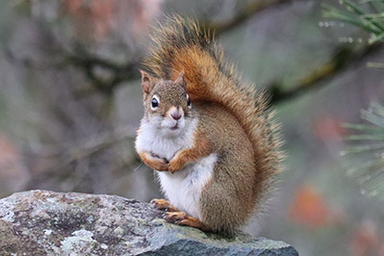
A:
(49, 223)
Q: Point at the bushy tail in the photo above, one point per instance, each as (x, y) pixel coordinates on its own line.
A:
(182, 45)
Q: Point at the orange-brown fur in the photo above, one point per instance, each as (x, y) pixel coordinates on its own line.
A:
(155, 163)
(233, 122)
(202, 147)
(227, 201)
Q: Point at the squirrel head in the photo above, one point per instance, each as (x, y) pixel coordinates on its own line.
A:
(166, 103)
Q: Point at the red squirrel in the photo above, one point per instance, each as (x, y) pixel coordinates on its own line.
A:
(208, 135)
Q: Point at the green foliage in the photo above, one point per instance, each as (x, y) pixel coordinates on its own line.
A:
(366, 146)
(367, 14)
(366, 150)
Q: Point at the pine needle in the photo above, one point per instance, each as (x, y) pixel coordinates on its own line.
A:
(367, 156)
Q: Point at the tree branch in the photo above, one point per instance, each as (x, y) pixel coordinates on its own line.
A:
(88, 62)
(128, 71)
(344, 57)
(250, 10)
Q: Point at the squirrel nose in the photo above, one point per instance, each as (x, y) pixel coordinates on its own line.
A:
(176, 115)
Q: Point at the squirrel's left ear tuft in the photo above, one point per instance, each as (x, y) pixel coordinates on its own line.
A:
(146, 81)
(180, 79)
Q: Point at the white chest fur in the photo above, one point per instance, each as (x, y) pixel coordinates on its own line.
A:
(183, 188)
(157, 141)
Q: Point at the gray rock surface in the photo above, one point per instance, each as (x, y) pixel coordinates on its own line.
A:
(49, 223)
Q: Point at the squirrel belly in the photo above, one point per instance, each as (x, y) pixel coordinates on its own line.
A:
(183, 188)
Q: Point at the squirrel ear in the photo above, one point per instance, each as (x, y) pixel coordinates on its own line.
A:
(180, 79)
(146, 81)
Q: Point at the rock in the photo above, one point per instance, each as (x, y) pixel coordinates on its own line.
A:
(43, 222)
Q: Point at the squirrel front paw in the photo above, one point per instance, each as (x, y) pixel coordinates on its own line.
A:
(154, 161)
(176, 163)
(165, 205)
(160, 164)
(157, 163)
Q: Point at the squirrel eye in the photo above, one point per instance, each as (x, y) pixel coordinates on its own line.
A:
(154, 103)
(188, 101)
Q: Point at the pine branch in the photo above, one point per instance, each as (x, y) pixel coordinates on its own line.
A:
(367, 146)
(345, 56)
(368, 16)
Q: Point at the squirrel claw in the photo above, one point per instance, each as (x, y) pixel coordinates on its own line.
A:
(174, 217)
(161, 204)
(164, 205)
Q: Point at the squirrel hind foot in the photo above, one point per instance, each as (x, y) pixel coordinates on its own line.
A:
(175, 216)
(164, 205)
(183, 219)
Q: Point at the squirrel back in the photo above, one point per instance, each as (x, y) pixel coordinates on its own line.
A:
(182, 45)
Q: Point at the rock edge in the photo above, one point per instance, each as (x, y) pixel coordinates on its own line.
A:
(50, 223)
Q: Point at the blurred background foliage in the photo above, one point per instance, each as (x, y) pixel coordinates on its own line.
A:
(70, 103)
